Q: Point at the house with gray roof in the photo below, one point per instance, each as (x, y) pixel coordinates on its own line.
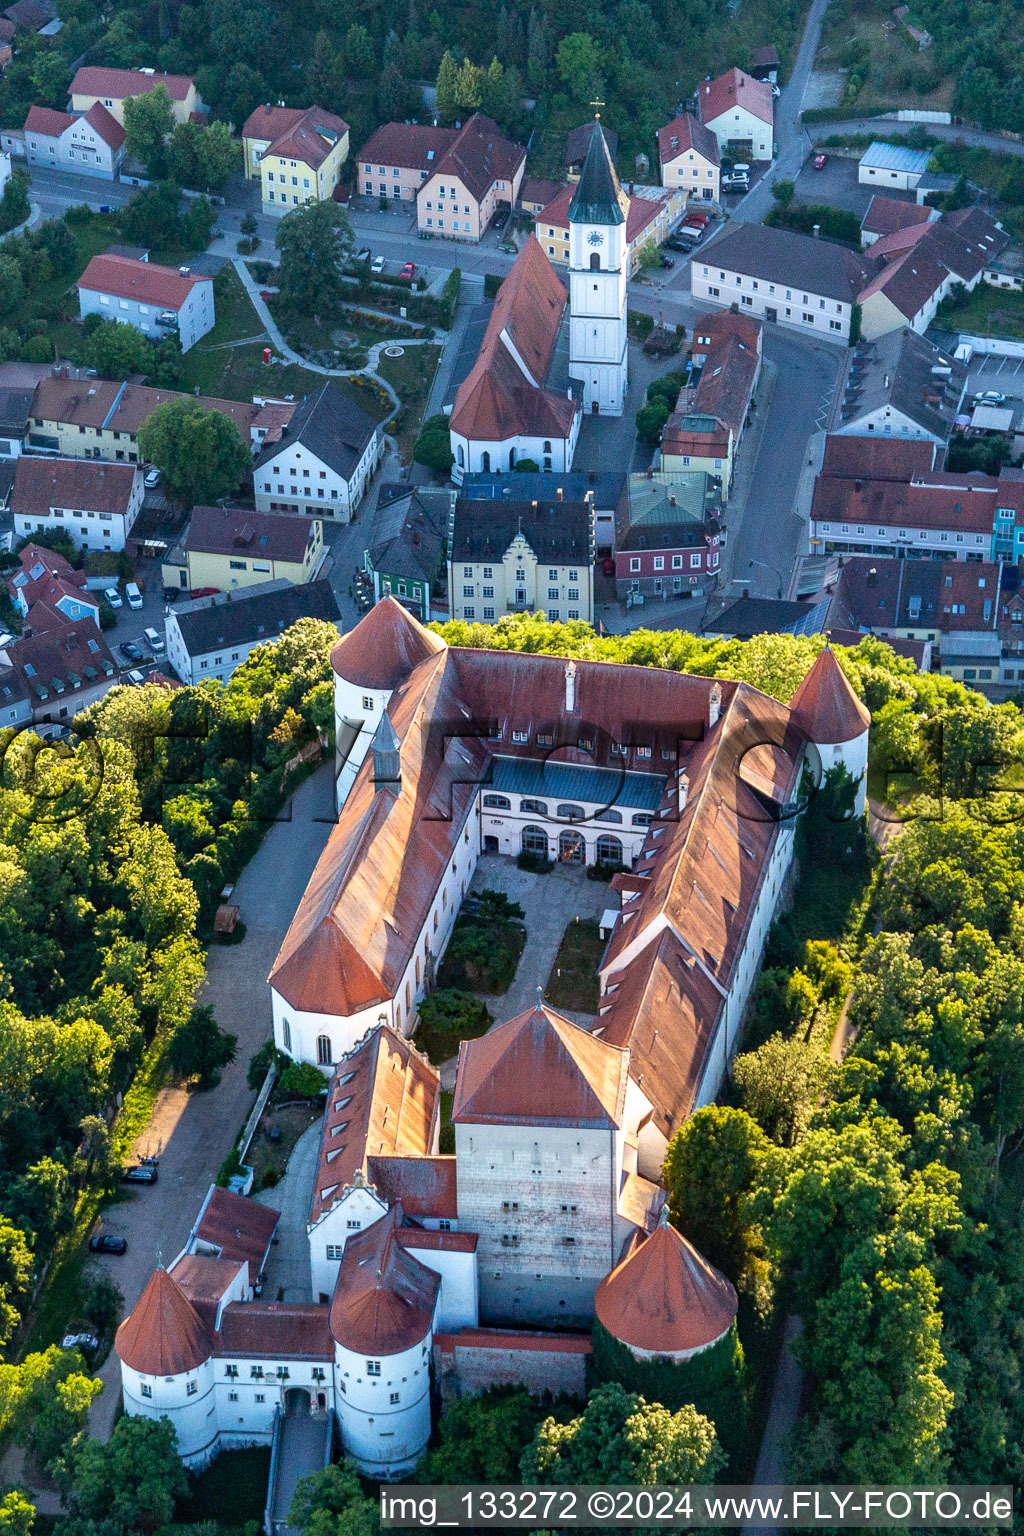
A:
(899, 385)
(521, 557)
(324, 460)
(406, 558)
(212, 636)
(780, 276)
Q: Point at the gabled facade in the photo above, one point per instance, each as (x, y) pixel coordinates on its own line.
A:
(521, 557)
(689, 157)
(95, 504)
(111, 88)
(322, 460)
(158, 301)
(295, 153)
(738, 110)
(91, 144)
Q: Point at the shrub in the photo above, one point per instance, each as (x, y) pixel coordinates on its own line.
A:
(270, 1178)
(447, 1017)
(268, 1055)
(492, 282)
(535, 863)
(639, 325)
(38, 349)
(303, 1080)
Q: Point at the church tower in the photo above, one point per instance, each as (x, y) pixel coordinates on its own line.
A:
(598, 273)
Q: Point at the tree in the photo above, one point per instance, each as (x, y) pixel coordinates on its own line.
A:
(332, 1503)
(468, 86)
(199, 452)
(481, 1439)
(14, 205)
(182, 154)
(315, 243)
(579, 61)
(448, 1016)
(54, 1403)
(15, 1275)
(712, 1165)
(302, 1079)
(648, 256)
(198, 222)
(16, 1514)
(200, 1049)
(780, 1085)
(324, 73)
(151, 216)
(358, 52)
(11, 284)
(148, 124)
(621, 1438)
(133, 1480)
(650, 420)
(447, 87)
(433, 446)
(783, 191)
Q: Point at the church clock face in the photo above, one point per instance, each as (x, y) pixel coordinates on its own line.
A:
(595, 237)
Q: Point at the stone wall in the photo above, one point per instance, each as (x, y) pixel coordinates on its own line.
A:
(478, 1358)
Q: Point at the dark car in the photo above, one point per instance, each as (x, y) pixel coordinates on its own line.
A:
(172, 594)
(130, 651)
(139, 1175)
(679, 243)
(666, 261)
(501, 218)
(108, 1245)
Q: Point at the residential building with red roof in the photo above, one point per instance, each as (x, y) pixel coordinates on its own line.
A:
(158, 301)
(44, 576)
(111, 88)
(689, 157)
(886, 215)
(296, 154)
(95, 504)
(705, 429)
(459, 177)
(651, 215)
(739, 111)
(87, 144)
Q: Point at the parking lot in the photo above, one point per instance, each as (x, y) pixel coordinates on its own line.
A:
(999, 372)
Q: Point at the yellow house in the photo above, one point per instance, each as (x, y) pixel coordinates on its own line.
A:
(112, 87)
(652, 213)
(296, 153)
(229, 547)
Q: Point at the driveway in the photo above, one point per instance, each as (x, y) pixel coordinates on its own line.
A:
(286, 1272)
(193, 1132)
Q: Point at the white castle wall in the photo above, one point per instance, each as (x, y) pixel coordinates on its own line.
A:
(188, 1400)
(385, 1437)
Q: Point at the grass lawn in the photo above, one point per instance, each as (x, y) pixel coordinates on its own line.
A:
(271, 1157)
(573, 982)
(988, 312)
(411, 376)
(230, 1492)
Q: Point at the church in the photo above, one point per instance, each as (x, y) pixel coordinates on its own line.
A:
(523, 398)
(488, 1265)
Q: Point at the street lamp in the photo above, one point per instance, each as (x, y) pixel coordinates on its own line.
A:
(768, 567)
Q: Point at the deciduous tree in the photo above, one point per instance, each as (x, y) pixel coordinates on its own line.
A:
(199, 452)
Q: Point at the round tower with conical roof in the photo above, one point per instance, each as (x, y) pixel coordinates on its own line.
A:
(167, 1369)
(369, 663)
(835, 721)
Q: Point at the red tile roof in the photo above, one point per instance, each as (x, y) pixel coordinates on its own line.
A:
(437, 1242)
(269, 122)
(163, 1334)
(384, 1297)
(46, 121)
(82, 484)
(876, 458)
(539, 1069)
(513, 1341)
(681, 135)
(640, 212)
(825, 705)
(141, 280)
(383, 1103)
(311, 138)
(886, 214)
(384, 647)
(480, 155)
(411, 146)
(964, 503)
(498, 400)
(274, 1330)
(106, 125)
(238, 1228)
(735, 89)
(98, 80)
(664, 1297)
(425, 1185)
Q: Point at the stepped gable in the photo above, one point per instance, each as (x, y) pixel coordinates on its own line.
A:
(384, 1103)
(539, 1069)
(384, 647)
(163, 1335)
(825, 706)
(598, 198)
(664, 1297)
(384, 1297)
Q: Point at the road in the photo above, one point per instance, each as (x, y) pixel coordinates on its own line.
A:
(878, 127)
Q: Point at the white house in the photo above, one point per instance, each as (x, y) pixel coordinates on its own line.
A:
(212, 636)
(46, 577)
(507, 556)
(892, 166)
(690, 158)
(158, 301)
(899, 385)
(739, 111)
(90, 144)
(323, 460)
(781, 277)
(95, 503)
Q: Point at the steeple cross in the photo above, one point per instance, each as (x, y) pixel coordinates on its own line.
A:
(597, 105)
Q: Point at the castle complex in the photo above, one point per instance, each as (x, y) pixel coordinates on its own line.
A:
(489, 1264)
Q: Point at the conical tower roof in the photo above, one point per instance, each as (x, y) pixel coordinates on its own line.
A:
(384, 1297)
(665, 1297)
(163, 1335)
(825, 706)
(384, 647)
(598, 199)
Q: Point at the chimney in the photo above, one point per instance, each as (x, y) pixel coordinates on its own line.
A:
(816, 231)
(671, 501)
(387, 763)
(558, 493)
(714, 705)
(570, 687)
(684, 788)
(873, 576)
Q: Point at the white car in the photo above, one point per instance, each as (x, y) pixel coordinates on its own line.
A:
(378, 264)
(132, 593)
(154, 640)
(112, 597)
(990, 397)
(152, 479)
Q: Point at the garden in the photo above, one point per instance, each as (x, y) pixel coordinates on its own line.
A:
(485, 946)
(573, 982)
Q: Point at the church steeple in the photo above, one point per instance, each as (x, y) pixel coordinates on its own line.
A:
(598, 199)
(598, 274)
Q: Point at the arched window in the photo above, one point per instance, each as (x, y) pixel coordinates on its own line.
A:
(511, 458)
(398, 1017)
(286, 1036)
(612, 816)
(417, 970)
(567, 811)
(641, 819)
(547, 445)
(323, 1051)
(571, 848)
(534, 807)
(462, 457)
(609, 849)
(595, 262)
(485, 461)
(535, 840)
(497, 802)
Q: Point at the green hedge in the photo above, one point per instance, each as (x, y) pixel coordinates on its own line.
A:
(842, 114)
(834, 223)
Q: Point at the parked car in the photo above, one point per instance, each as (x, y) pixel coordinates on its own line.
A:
(820, 162)
(740, 168)
(130, 651)
(694, 232)
(990, 397)
(152, 479)
(139, 1175)
(608, 566)
(79, 1341)
(108, 1244)
(666, 261)
(501, 218)
(172, 594)
(378, 264)
(204, 592)
(154, 639)
(134, 677)
(409, 270)
(112, 597)
(132, 593)
(735, 184)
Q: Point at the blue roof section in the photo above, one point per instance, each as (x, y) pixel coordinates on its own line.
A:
(893, 157)
(555, 782)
